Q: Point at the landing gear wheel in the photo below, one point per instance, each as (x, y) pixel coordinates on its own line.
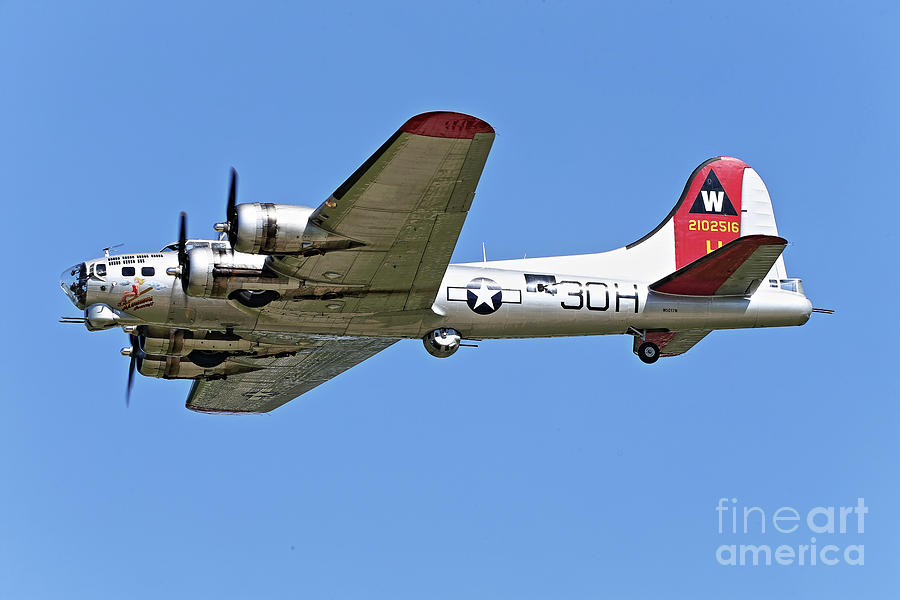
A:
(648, 352)
(254, 298)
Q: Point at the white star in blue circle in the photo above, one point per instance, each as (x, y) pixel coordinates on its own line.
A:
(484, 295)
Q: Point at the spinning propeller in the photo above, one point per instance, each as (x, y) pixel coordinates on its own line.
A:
(231, 208)
(137, 356)
(183, 260)
(229, 226)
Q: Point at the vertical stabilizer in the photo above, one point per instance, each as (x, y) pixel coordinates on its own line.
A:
(723, 199)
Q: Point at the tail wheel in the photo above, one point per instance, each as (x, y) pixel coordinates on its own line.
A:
(648, 352)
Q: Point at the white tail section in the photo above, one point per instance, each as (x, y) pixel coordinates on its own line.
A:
(758, 216)
(723, 199)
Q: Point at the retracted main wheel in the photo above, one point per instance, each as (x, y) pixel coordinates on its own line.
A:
(207, 359)
(254, 298)
(648, 352)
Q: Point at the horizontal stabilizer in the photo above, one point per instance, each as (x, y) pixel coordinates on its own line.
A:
(735, 269)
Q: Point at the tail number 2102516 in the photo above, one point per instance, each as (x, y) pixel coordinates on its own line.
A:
(710, 225)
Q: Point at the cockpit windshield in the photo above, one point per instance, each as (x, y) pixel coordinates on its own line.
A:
(73, 281)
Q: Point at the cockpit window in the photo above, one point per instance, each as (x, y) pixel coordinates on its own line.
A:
(792, 285)
(127, 271)
(148, 271)
(789, 285)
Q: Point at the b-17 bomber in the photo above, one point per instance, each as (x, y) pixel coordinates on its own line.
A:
(288, 297)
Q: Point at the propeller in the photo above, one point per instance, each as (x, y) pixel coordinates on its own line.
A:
(182, 271)
(137, 355)
(231, 207)
(229, 226)
(183, 261)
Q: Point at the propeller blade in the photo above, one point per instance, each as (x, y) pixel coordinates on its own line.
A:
(130, 382)
(231, 210)
(183, 261)
(182, 239)
(135, 350)
(229, 225)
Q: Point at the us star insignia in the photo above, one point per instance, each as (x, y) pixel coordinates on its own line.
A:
(484, 296)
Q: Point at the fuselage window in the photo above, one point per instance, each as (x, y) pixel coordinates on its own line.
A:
(148, 271)
(127, 271)
(101, 270)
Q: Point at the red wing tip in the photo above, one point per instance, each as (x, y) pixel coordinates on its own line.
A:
(446, 124)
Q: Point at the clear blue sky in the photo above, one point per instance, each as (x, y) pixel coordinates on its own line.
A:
(524, 469)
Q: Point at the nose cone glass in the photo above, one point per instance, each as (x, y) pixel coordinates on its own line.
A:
(73, 281)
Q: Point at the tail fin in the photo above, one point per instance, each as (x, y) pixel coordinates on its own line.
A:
(723, 199)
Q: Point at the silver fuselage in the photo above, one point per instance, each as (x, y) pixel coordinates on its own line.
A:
(519, 303)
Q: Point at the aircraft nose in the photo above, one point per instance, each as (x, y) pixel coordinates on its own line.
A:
(73, 282)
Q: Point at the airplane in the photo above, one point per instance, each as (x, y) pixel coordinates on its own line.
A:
(288, 297)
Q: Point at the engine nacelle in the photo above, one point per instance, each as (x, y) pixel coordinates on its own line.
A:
(197, 365)
(181, 342)
(218, 271)
(442, 342)
(165, 341)
(275, 229)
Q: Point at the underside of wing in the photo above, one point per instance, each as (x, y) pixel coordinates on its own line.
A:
(281, 379)
(403, 209)
(735, 269)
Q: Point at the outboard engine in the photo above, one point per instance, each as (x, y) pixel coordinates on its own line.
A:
(196, 365)
(278, 229)
(274, 229)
